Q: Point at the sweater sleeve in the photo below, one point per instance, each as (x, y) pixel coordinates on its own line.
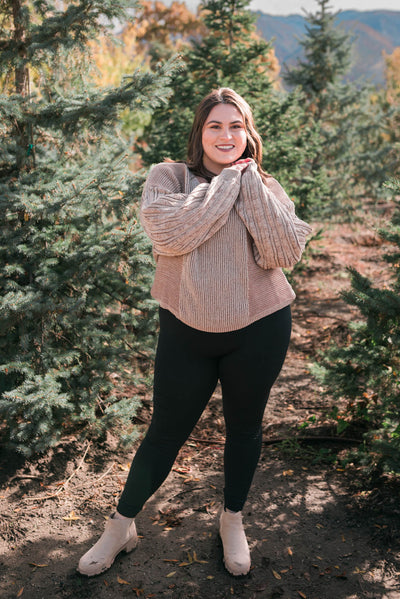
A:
(177, 222)
(279, 236)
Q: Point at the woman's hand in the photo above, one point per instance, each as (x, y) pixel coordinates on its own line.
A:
(241, 165)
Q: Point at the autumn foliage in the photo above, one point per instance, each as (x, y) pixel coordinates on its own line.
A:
(156, 32)
(393, 76)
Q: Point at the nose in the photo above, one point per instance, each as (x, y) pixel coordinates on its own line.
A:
(226, 133)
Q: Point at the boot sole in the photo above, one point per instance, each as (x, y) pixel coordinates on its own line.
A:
(236, 573)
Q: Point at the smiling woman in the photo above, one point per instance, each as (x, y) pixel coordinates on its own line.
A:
(224, 138)
(222, 119)
(222, 230)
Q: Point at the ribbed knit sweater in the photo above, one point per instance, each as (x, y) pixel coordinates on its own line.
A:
(220, 246)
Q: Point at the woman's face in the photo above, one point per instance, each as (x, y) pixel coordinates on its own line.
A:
(224, 137)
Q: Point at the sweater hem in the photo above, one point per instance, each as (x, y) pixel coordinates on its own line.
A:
(227, 328)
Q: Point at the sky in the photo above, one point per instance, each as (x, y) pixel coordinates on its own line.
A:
(289, 7)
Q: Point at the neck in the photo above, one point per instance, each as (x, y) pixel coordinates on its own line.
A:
(212, 168)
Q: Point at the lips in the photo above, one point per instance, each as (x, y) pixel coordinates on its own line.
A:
(225, 148)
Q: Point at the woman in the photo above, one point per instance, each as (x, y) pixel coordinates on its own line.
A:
(221, 229)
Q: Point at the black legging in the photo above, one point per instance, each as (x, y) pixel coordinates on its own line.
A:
(188, 365)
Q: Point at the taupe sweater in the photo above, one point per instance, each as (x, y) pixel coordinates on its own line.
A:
(219, 247)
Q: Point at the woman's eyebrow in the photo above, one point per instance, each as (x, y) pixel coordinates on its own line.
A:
(220, 122)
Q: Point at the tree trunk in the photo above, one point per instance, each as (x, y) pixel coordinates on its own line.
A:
(24, 155)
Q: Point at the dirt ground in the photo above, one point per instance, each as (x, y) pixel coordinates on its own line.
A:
(316, 530)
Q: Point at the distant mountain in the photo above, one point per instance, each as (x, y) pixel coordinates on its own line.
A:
(372, 32)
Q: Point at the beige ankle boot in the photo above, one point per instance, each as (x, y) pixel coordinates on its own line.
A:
(236, 550)
(118, 535)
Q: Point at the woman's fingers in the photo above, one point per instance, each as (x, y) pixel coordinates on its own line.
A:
(242, 164)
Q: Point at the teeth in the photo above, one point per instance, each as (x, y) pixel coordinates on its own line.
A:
(225, 147)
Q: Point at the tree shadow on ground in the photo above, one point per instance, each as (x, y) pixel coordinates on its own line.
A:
(55, 465)
(310, 536)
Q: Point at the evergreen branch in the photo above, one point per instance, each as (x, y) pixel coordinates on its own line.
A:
(74, 26)
(100, 108)
(79, 191)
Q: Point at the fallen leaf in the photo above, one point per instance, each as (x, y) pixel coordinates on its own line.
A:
(302, 594)
(21, 590)
(71, 517)
(122, 581)
(124, 467)
(289, 550)
(276, 575)
(182, 471)
(210, 577)
(170, 560)
(296, 514)
(287, 472)
(38, 565)
(171, 574)
(192, 560)
(319, 526)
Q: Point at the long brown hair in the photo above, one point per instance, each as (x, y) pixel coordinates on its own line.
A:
(223, 95)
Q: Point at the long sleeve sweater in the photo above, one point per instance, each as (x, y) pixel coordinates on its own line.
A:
(220, 246)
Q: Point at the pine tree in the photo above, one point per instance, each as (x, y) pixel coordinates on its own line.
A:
(75, 267)
(231, 54)
(389, 101)
(326, 59)
(366, 371)
(353, 154)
